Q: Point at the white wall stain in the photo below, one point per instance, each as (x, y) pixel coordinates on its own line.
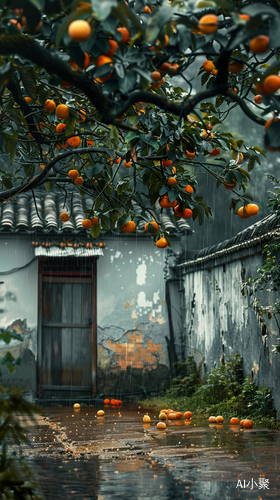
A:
(141, 274)
(142, 302)
(118, 254)
(156, 297)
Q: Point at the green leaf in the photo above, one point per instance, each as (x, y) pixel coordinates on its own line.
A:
(7, 360)
(44, 95)
(102, 9)
(95, 169)
(206, 3)
(199, 215)
(122, 186)
(29, 170)
(152, 31)
(225, 4)
(205, 77)
(219, 100)
(129, 14)
(168, 241)
(251, 163)
(8, 336)
(28, 81)
(248, 197)
(245, 173)
(95, 230)
(206, 210)
(142, 72)
(70, 124)
(105, 222)
(185, 37)
(127, 83)
(154, 198)
(172, 195)
(48, 186)
(148, 139)
(132, 135)
(7, 182)
(13, 150)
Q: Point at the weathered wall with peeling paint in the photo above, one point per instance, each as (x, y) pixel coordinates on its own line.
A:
(132, 322)
(219, 322)
(19, 309)
(132, 318)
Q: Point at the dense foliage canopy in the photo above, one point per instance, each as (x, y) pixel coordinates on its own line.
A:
(88, 87)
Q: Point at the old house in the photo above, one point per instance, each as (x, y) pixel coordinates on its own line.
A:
(92, 313)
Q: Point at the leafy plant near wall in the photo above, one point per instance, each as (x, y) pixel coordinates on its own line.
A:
(8, 359)
(226, 392)
(15, 475)
(223, 382)
(188, 377)
(269, 273)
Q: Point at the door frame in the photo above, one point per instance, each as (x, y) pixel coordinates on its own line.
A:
(86, 268)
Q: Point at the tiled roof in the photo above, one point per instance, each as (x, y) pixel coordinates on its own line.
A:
(251, 236)
(20, 214)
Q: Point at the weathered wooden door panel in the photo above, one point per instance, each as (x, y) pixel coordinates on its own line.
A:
(67, 334)
(51, 347)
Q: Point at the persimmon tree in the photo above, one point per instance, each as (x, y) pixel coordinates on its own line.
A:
(88, 88)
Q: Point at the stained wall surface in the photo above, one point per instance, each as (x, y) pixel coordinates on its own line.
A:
(219, 321)
(132, 322)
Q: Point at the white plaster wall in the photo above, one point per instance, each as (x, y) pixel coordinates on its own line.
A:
(222, 323)
(130, 284)
(19, 293)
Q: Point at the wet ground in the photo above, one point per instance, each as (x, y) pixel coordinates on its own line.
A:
(75, 454)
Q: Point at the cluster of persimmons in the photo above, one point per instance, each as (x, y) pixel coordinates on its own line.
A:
(167, 415)
(80, 31)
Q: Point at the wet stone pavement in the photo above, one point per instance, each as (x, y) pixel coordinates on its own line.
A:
(75, 454)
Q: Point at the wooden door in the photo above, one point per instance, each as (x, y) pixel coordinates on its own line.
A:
(67, 364)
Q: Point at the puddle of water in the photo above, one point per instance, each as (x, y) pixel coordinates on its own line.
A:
(132, 480)
(192, 461)
(101, 480)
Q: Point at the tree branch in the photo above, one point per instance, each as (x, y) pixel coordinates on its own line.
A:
(41, 178)
(241, 102)
(14, 87)
(53, 62)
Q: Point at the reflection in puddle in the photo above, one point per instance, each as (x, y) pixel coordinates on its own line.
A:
(192, 460)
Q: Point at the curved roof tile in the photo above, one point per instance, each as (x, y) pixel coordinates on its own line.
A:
(21, 214)
(252, 235)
